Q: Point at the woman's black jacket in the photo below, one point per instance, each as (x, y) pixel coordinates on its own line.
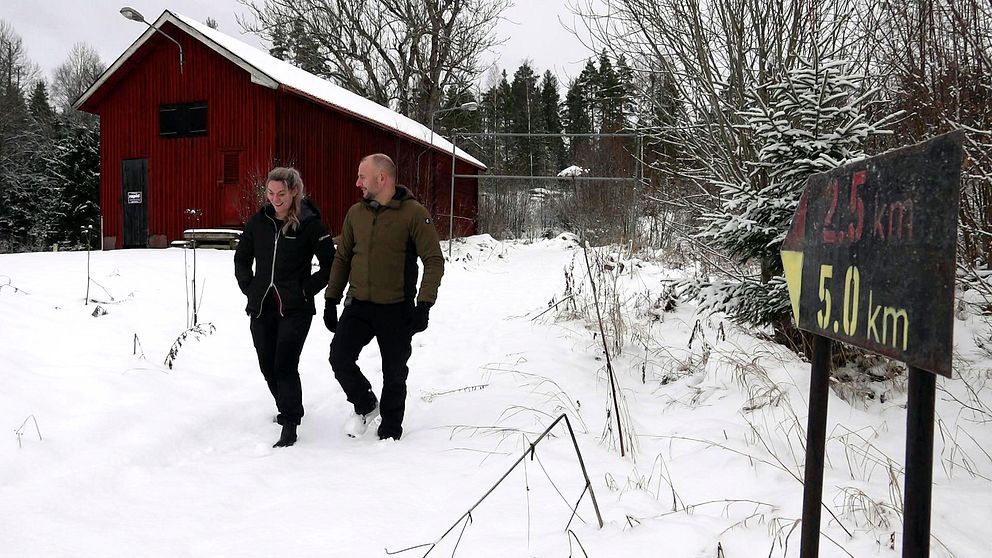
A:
(283, 261)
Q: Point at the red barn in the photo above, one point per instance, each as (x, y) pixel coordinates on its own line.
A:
(199, 127)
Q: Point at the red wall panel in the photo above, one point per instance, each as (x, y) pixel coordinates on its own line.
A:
(183, 173)
(267, 127)
(326, 145)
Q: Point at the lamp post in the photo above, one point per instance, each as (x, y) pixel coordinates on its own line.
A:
(470, 106)
(135, 15)
(451, 212)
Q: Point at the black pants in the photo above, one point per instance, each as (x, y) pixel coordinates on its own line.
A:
(390, 325)
(279, 342)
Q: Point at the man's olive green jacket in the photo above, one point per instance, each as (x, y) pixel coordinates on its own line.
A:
(378, 252)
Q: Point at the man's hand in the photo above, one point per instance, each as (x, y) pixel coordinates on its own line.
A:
(330, 314)
(421, 315)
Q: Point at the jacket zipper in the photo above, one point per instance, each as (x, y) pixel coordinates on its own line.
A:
(368, 274)
(272, 275)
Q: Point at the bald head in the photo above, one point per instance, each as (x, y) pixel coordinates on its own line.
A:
(381, 162)
(377, 178)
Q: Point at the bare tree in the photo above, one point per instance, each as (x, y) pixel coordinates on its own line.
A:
(719, 58)
(715, 53)
(404, 54)
(710, 57)
(937, 58)
(23, 221)
(74, 76)
(17, 72)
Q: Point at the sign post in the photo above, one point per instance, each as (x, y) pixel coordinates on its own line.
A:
(816, 437)
(919, 463)
(870, 261)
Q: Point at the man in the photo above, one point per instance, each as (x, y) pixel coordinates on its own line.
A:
(382, 237)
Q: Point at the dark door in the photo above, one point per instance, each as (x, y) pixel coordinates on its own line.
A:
(135, 193)
(233, 201)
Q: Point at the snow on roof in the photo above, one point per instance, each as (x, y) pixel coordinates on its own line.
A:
(269, 71)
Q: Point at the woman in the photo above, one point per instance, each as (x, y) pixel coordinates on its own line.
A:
(282, 239)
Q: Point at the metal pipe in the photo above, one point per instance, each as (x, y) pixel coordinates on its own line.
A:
(816, 435)
(522, 177)
(451, 213)
(546, 134)
(919, 463)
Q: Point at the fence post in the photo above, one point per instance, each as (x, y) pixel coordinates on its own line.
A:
(451, 211)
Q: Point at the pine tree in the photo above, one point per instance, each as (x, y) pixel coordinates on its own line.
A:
(578, 114)
(659, 118)
(494, 118)
(39, 106)
(488, 124)
(609, 97)
(526, 117)
(280, 45)
(74, 169)
(813, 121)
(613, 154)
(22, 197)
(551, 108)
(306, 50)
(624, 95)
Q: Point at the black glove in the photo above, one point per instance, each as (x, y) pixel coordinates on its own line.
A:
(330, 314)
(421, 315)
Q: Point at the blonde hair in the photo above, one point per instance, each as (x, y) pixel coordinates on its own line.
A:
(294, 183)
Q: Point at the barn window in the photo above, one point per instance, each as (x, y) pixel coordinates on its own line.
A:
(232, 167)
(182, 120)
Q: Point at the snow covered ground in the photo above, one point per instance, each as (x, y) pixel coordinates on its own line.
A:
(137, 459)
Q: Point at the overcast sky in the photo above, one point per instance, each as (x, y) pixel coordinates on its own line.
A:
(49, 28)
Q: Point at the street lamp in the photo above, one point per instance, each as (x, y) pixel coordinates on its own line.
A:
(135, 15)
(470, 106)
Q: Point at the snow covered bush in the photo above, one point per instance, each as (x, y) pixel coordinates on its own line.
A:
(809, 120)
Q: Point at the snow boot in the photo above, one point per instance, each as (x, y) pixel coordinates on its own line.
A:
(288, 436)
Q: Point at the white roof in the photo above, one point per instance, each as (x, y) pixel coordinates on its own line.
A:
(269, 71)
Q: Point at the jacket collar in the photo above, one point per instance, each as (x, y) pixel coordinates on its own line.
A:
(402, 194)
(307, 211)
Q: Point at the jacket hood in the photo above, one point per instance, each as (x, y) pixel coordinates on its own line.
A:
(401, 195)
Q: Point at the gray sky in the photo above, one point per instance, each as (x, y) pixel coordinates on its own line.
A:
(49, 29)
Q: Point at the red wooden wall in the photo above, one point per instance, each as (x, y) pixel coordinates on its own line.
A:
(266, 127)
(182, 172)
(326, 144)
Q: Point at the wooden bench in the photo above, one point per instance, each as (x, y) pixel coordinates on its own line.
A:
(210, 238)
